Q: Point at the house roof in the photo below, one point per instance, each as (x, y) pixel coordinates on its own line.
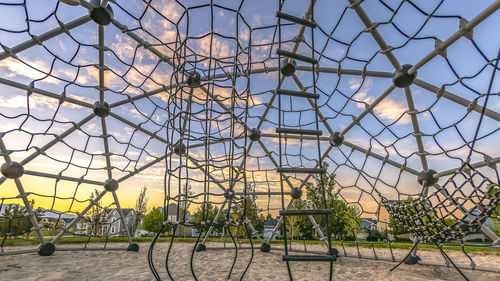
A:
(53, 214)
(3, 207)
(126, 211)
(271, 223)
(369, 220)
(172, 210)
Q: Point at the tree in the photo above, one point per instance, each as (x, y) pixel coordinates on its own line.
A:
(184, 202)
(185, 199)
(251, 211)
(209, 215)
(37, 216)
(95, 214)
(15, 221)
(495, 215)
(141, 207)
(299, 226)
(344, 220)
(495, 191)
(153, 221)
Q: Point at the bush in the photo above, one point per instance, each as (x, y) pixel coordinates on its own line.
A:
(374, 235)
(15, 221)
(478, 240)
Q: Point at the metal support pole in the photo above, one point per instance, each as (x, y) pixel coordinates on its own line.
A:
(211, 228)
(457, 99)
(489, 162)
(61, 177)
(368, 109)
(22, 194)
(37, 40)
(57, 139)
(138, 127)
(103, 126)
(305, 68)
(372, 28)
(45, 93)
(80, 215)
(278, 224)
(457, 35)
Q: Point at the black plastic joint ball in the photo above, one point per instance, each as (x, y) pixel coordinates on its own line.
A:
(402, 79)
(288, 67)
(255, 134)
(101, 15)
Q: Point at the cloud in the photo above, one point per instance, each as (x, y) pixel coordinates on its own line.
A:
(171, 10)
(355, 83)
(11, 67)
(213, 47)
(38, 102)
(387, 109)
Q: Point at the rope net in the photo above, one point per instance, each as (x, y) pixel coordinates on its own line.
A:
(186, 97)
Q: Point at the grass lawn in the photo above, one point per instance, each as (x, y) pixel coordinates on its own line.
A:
(477, 248)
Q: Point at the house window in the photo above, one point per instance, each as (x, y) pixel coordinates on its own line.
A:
(126, 221)
(112, 229)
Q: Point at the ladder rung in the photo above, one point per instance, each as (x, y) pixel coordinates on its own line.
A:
(311, 212)
(309, 258)
(299, 131)
(296, 19)
(296, 56)
(300, 94)
(302, 170)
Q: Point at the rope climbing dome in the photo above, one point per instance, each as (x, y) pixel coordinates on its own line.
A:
(238, 110)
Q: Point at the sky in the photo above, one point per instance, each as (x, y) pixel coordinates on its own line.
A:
(66, 65)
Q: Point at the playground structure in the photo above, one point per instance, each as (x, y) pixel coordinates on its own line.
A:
(230, 110)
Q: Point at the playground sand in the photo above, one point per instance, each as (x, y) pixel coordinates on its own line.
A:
(215, 265)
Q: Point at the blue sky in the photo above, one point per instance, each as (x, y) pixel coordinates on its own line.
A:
(134, 70)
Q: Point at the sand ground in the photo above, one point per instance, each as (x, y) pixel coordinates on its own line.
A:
(215, 264)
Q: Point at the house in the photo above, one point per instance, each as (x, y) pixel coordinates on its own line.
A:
(112, 225)
(54, 219)
(269, 226)
(4, 207)
(383, 218)
(83, 225)
(368, 224)
(182, 230)
(172, 213)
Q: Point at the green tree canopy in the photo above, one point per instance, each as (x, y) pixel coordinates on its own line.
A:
(251, 213)
(344, 220)
(141, 208)
(153, 221)
(95, 213)
(495, 190)
(209, 215)
(15, 221)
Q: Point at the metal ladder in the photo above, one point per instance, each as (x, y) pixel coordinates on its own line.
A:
(287, 68)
